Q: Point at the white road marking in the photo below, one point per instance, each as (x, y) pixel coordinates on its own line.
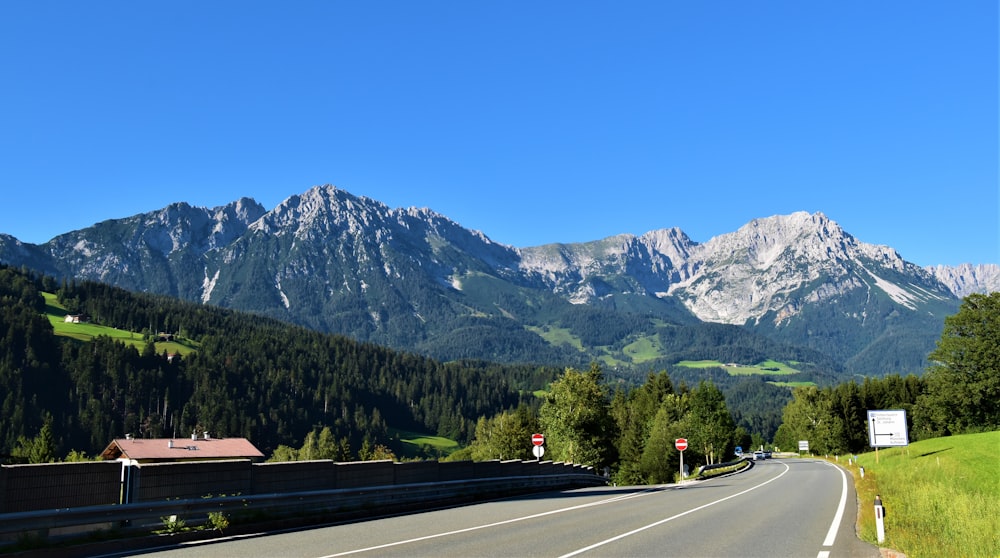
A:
(671, 518)
(505, 522)
(831, 535)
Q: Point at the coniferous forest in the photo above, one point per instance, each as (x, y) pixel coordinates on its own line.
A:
(250, 377)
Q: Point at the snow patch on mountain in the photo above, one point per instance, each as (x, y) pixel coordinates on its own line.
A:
(898, 294)
(208, 284)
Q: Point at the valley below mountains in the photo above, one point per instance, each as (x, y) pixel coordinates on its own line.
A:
(794, 288)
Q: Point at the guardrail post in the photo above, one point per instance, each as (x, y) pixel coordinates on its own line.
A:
(879, 519)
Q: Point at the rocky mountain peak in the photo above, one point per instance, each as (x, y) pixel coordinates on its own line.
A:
(966, 279)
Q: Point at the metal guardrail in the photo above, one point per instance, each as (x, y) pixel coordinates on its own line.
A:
(146, 515)
(704, 468)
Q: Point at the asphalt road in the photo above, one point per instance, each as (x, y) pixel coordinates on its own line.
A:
(794, 507)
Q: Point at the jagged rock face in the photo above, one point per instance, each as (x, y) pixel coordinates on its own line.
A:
(775, 266)
(411, 277)
(769, 267)
(966, 279)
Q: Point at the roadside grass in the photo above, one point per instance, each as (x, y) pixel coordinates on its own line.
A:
(766, 367)
(941, 496)
(56, 314)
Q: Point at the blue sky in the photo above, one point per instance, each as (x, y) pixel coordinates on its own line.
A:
(533, 122)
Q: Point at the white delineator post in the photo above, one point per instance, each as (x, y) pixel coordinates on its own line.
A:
(879, 519)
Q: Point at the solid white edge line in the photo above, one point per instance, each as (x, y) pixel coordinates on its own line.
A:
(831, 535)
(671, 518)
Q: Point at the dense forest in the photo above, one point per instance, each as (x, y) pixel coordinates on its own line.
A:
(250, 376)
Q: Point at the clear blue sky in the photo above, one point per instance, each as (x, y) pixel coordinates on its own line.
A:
(534, 122)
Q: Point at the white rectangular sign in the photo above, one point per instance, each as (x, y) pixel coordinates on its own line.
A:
(803, 445)
(887, 428)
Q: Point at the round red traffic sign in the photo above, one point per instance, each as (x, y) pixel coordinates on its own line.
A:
(537, 439)
(681, 444)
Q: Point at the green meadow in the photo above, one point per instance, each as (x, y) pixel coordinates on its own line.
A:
(558, 336)
(56, 314)
(644, 349)
(766, 367)
(426, 445)
(941, 496)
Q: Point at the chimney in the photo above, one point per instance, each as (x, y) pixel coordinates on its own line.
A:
(194, 435)
(170, 444)
(207, 437)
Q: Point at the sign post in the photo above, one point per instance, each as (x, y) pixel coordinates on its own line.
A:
(681, 444)
(538, 452)
(887, 429)
(803, 446)
(537, 449)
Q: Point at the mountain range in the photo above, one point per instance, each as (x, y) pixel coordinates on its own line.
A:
(412, 279)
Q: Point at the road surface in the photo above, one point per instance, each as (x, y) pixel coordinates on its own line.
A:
(795, 507)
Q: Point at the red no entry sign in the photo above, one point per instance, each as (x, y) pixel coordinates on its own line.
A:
(537, 439)
(681, 444)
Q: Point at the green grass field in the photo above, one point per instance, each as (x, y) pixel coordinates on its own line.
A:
(426, 445)
(56, 315)
(558, 336)
(643, 349)
(767, 367)
(792, 384)
(941, 496)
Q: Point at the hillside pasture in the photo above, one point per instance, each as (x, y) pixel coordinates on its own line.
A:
(766, 367)
(56, 314)
(416, 444)
(644, 349)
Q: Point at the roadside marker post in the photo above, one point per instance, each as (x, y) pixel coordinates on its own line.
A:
(879, 519)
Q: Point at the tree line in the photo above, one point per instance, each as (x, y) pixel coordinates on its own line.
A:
(630, 433)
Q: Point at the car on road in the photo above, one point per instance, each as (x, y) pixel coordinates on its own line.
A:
(758, 455)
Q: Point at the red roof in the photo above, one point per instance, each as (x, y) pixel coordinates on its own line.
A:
(171, 449)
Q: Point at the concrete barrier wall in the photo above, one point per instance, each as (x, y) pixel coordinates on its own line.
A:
(59, 485)
(486, 469)
(355, 474)
(456, 470)
(510, 468)
(162, 481)
(69, 485)
(293, 476)
(411, 472)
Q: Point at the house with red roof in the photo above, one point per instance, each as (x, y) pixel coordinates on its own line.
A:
(164, 450)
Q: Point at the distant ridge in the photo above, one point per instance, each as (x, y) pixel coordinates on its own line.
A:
(413, 279)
